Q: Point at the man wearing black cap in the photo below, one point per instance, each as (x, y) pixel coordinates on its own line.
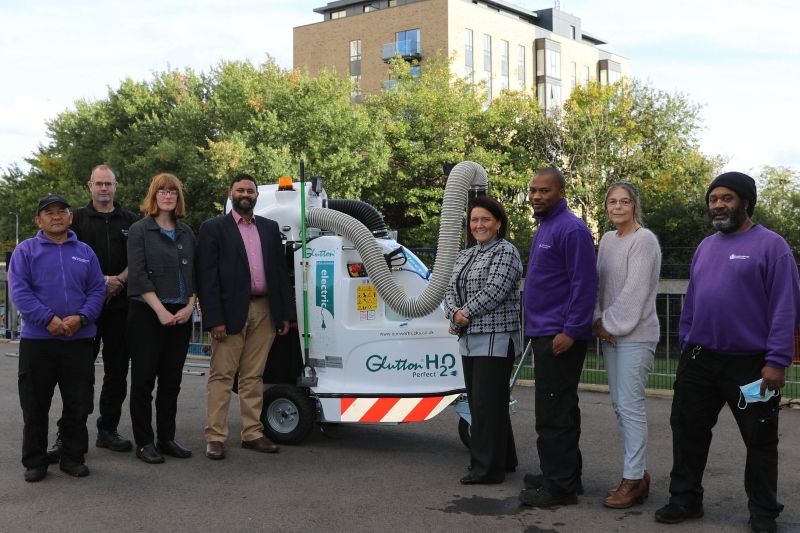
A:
(56, 283)
(737, 327)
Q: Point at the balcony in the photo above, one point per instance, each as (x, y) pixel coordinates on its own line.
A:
(408, 50)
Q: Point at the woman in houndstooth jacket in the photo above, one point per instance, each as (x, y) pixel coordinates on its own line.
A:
(482, 303)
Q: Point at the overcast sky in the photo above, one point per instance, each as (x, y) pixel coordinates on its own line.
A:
(739, 59)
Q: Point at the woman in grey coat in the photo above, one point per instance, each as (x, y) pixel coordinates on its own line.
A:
(482, 302)
(162, 295)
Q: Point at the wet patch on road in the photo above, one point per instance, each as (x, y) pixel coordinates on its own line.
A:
(481, 506)
(536, 529)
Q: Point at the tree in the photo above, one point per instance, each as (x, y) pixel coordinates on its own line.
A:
(633, 132)
(205, 128)
(778, 204)
(427, 119)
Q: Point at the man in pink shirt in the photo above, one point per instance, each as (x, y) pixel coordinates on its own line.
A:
(246, 298)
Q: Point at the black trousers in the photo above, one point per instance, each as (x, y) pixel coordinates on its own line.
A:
(157, 353)
(43, 364)
(111, 328)
(558, 416)
(492, 450)
(705, 381)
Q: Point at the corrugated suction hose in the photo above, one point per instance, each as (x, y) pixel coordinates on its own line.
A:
(464, 176)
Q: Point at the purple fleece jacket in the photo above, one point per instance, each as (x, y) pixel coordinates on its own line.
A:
(47, 279)
(743, 296)
(561, 282)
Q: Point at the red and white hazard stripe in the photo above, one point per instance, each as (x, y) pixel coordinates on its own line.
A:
(393, 409)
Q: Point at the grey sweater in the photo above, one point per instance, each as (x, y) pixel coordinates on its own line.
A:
(628, 268)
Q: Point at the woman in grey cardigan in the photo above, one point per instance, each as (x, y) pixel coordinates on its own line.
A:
(483, 305)
(628, 265)
(162, 294)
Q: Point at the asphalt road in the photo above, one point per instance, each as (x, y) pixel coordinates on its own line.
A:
(365, 478)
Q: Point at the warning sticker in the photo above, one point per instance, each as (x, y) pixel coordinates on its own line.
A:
(366, 298)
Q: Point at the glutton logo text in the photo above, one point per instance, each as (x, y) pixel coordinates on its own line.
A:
(430, 367)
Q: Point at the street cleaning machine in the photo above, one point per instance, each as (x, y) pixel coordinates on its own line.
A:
(372, 330)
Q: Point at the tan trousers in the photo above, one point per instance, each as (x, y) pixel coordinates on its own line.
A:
(245, 352)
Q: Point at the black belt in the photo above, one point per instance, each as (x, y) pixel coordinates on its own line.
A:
(257, 296)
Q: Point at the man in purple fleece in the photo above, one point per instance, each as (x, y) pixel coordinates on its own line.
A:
(737, 327)
(559, 295)
(56, 283)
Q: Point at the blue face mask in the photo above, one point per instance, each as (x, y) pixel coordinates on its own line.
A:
(752, 393)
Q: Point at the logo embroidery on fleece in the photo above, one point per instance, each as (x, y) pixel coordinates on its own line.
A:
(734, 256)
(545, 246)
(81, 259)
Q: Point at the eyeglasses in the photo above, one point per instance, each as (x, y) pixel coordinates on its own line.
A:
(162, 192)
(101, 184)
(625, 202)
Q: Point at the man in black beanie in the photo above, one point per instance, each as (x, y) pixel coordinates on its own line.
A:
(737, 337)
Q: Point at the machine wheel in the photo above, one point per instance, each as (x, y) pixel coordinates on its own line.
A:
(464, 431)
(288, 414)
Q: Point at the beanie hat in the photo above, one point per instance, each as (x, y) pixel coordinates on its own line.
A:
(741, 184)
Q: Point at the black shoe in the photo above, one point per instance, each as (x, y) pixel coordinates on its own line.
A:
(73, 468)
(761, 524)
(542, 497)
(675, 514)
(54, 453)
(149, 455)
(173, 448)
(536, 481)
(36, 473)
(113, 441)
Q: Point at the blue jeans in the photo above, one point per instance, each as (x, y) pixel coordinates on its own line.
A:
(627, 365)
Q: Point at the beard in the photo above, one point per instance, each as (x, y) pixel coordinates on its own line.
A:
(732, 222)
(243, 209)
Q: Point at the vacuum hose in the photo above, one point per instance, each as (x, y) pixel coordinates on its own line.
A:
(464, 176)
(364, 212)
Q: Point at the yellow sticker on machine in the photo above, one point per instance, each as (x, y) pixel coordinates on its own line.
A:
(366, 298)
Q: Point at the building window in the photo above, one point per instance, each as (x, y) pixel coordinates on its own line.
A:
(338, 14)
(392, 3)
(469, 66)
(553, 95)
(355, 70)
(504, 65)
(521, 67)
(549, 96)
(572, 32)
(573, 75)
(487, 66)
(539, 62)
(408, 42)
(585, 76)
(553, 64)
(369, 8)
(548, 74)
(610, 72)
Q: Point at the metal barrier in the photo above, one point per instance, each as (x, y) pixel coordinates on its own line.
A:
(669, 304)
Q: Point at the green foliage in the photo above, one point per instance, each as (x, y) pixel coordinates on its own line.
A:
(778, 204)
(206, 128)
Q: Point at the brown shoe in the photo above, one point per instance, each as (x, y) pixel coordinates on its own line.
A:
(261, 444)
(215, 450)
(646, 486)
(630, 491)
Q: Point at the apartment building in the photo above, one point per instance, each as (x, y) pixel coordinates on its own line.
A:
(496, 41)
